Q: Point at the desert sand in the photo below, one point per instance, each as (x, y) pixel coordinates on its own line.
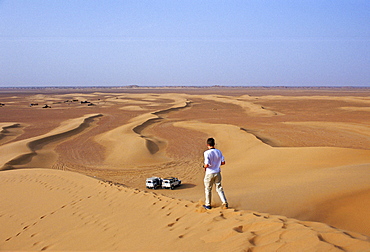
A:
(73, 174)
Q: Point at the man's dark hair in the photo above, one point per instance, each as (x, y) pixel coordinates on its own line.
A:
(211, 142)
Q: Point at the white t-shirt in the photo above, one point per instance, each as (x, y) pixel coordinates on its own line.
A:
(213, 158)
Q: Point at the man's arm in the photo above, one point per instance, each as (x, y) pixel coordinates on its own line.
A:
(205, 166)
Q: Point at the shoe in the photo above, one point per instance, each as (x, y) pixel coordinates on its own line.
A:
(225, 205)
(207, 207)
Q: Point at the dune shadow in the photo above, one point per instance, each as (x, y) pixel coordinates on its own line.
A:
(138, 129)
(264, 140)
(20, 160)
(38, 144)
(180, 187)
(152, 146)
(10, 132)
(166, 111)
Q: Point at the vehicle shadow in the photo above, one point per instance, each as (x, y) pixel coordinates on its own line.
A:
(185, 186)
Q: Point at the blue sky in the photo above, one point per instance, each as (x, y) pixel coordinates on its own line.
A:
(174, 42)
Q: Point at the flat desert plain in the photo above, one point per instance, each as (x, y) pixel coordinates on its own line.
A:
(74, 163)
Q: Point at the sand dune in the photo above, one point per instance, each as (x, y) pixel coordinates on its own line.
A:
(9, 131)
(75, 212)
(306, 157)
(358, 129)
(353, 99)
(20, 152)
(250, 107)
(367, 109)
(125, 145)
(289, 181)
(132, 107)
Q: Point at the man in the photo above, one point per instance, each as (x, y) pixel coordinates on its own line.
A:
(213, 159)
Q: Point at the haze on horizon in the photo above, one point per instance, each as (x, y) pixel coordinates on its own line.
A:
(180, 43)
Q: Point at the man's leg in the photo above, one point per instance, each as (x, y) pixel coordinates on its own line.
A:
(208, 184)
(219, 188)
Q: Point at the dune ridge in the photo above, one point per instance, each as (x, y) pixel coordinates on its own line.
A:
(355, 99)
(250, 107)
(359, 129)
(76, 212)
(20, 152)
(306, 176)
(126, 144)
(9, 132)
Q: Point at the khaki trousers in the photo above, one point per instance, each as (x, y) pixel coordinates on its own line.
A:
(209, 180)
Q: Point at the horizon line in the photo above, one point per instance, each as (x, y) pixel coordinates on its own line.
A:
(179, 86)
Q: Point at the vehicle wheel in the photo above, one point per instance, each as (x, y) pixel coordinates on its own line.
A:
(172, 187)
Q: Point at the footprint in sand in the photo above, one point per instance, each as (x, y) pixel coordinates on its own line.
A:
(253, 239)
(220, 217)
(238, 229)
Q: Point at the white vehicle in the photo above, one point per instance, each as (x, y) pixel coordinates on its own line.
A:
(153, 183)
(170, 183)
